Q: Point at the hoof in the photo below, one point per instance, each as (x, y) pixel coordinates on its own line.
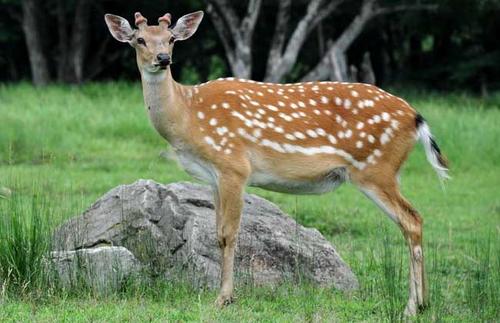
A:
(224, 300)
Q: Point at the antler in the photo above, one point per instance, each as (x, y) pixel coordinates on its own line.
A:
(165, 20)
(140, 21)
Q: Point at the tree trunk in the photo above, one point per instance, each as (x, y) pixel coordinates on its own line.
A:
(366, 71)
(80, 38)
(33, 36)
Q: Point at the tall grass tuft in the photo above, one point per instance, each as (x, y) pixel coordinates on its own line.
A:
(482, 285)
(24, 240)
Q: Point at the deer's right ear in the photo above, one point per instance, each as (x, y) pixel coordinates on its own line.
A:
(119, 28)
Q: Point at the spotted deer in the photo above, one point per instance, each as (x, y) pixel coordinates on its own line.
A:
(302, 138)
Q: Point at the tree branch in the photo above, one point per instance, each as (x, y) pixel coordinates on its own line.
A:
(279, 35)
(249, 21)
(222, 31)
(228, 15)
(398, 8)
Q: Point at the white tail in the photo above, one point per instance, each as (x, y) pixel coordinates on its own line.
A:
(432, 151)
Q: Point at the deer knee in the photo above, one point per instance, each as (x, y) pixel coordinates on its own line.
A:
(226, 237)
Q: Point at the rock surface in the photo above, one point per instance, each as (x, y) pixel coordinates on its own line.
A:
(170, 229)
(103, 268)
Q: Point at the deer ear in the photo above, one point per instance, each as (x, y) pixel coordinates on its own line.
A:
(119, 28)
(187, 25)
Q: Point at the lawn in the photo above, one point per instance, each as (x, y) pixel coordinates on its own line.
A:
(62, 147)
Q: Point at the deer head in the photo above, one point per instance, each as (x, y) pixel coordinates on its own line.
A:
(153, 44)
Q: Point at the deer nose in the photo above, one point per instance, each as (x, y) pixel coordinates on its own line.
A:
(163, 59)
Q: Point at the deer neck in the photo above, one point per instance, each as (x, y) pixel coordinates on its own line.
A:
(166, 104)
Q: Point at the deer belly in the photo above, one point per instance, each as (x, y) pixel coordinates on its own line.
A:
(326, 183)
(197, 167)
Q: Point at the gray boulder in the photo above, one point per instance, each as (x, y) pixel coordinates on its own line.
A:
(170, 229)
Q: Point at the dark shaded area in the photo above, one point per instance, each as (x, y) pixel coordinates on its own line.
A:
(453, 47)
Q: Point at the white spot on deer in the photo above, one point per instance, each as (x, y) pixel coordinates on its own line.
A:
(362, 134)
(302, 114)
(332, 139)
(328, 112)
(225, 105)
(227, 151)
(340, 134)
(360, 125)
(295, 115)
(359, 144)
(376, 118)
(245, 135)
(223, 141)
(395, 124)
(311, 133)
(260, 93)
(312, 102)
(386, 116)
(211, 142)
(370, 121)
(369, 103)
(302, 104)
(230, 92)
(221, 130)
(214, 106)
(289, 136)
(271, 119)
(201, 115)
(272, 107)
(320, 132)
(377, 153)
(257, 133)
(254, 103)
(361, 104)
(338, 101)
(354, 94)
(348, 133)
(270, 90)
(299, 135)
(384, 138)
(316, 111)
(281, 104)
(279, 130)
(371, 139)
(273, 145)
(261, 111)
(347, 103)
(293, 106)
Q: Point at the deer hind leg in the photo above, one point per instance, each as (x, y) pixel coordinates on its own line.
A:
(229, 197)
(387, 196)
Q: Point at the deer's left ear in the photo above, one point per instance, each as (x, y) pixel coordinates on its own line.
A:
(187, 25)
(119, 28)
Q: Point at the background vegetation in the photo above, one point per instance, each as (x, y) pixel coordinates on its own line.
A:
(454, 45)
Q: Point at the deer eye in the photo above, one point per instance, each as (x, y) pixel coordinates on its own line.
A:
(141, 41)
(172, 39)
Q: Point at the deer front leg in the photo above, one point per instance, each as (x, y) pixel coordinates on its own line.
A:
(230, 198)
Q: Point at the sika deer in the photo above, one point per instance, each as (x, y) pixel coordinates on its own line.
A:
(303, 138)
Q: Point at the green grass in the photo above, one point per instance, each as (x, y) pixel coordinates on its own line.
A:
(62, 147)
